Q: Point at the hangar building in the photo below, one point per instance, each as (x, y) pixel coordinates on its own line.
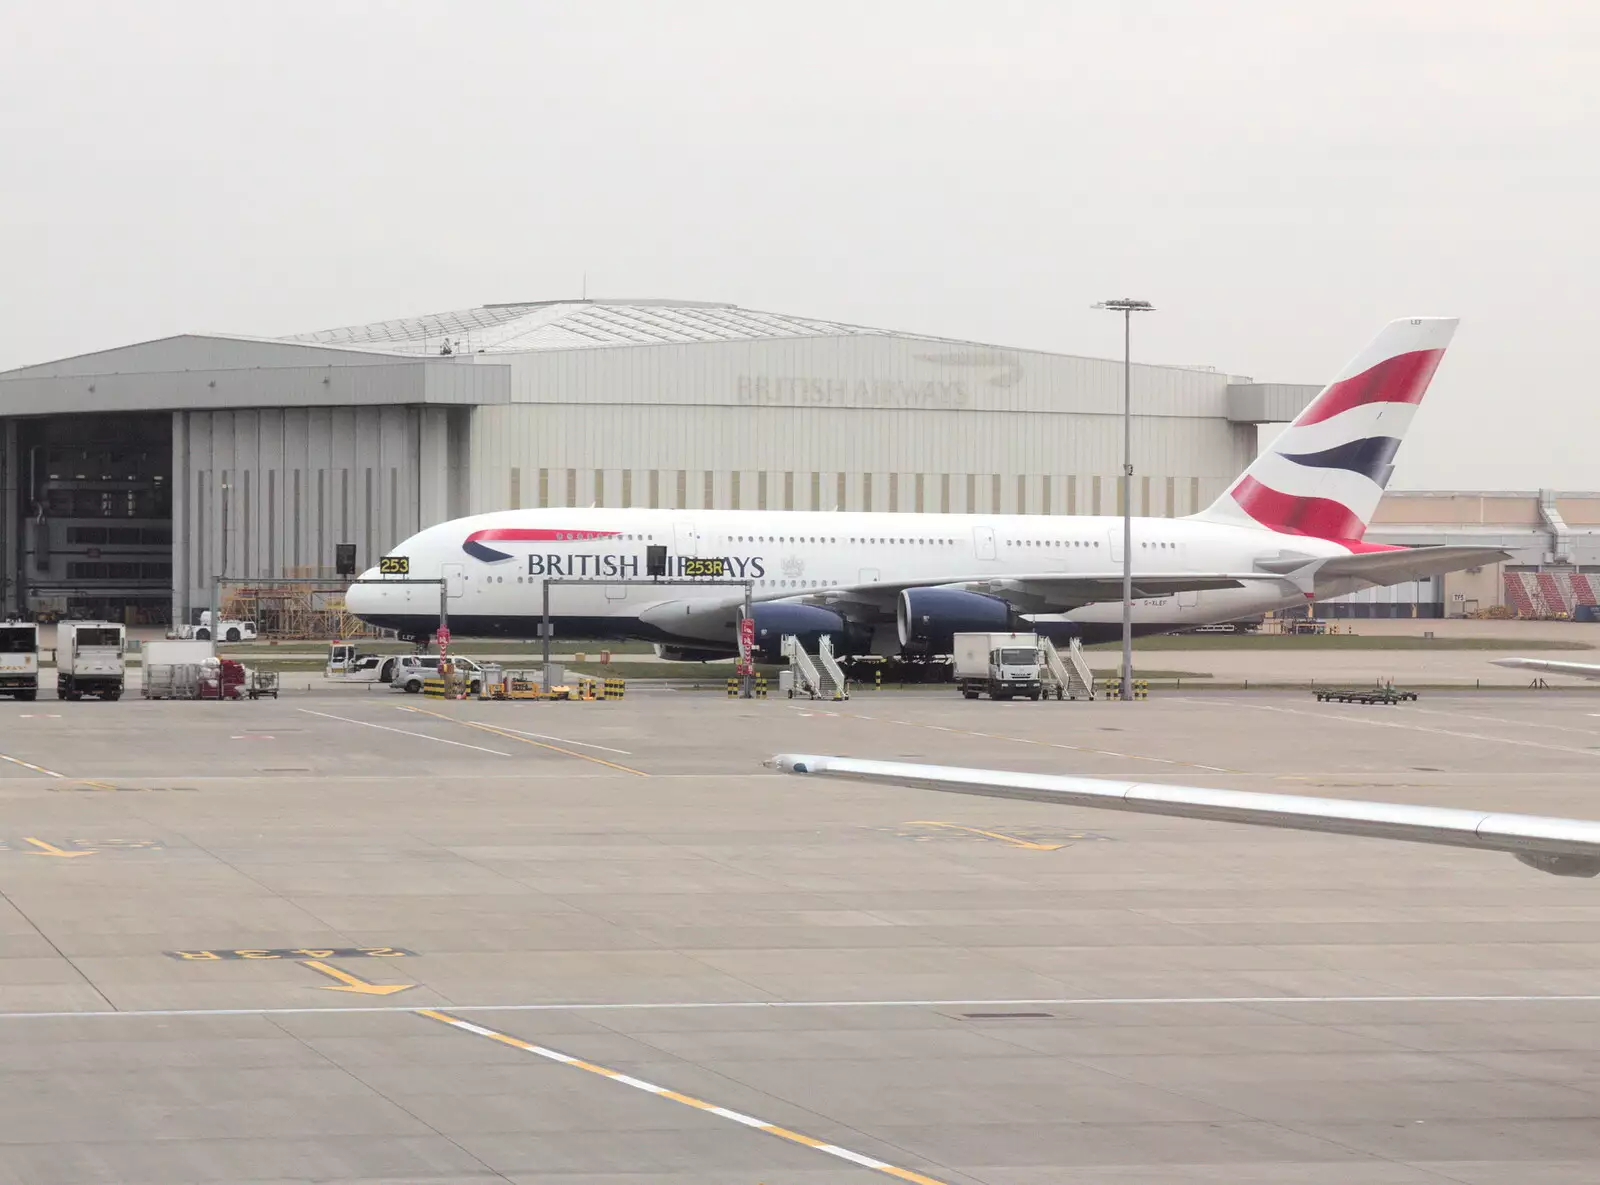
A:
(135, 476)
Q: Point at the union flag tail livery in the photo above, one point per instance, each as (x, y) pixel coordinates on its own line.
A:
(1324, 475)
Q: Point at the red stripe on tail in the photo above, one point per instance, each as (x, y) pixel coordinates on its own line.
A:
(1321, 518)
(1401, 379)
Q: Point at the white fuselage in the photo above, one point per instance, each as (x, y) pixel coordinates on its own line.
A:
(495, 565)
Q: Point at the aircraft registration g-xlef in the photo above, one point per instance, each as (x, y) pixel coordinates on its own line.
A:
(1289, 529)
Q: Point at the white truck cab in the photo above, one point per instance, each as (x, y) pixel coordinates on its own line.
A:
(89, 659)
(1007, 666)
(346, 664)
(19, 659)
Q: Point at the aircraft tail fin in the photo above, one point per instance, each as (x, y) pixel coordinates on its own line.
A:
(1323, 476)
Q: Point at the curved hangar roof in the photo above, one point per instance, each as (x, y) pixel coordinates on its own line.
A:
(565, 325)
(418, 360)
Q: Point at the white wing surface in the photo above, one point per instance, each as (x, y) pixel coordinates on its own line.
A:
(1551, 666)
(1562, 847)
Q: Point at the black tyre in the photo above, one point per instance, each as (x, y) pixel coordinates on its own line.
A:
(233, 636)
(969, 695)
(112, 696)
(413, 687)
(475, 688)
(203, 634)
(1035, 696)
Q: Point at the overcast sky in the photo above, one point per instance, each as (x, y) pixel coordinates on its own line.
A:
(1280, 179)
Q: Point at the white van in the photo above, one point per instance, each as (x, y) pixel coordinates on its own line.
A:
(411, 669)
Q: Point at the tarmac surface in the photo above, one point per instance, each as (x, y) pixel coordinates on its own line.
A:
(376, 938)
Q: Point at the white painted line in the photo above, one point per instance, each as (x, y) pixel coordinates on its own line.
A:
(759, 1005)
(761, 1125)
(421, 736)
(543, 737)
(995, 736)
(1584, 732)
(39, 769)
(1351, 718)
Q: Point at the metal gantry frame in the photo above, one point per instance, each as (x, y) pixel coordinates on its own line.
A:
(746, 679)
(444, 593)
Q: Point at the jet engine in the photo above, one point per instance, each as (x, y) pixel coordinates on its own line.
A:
(808, 623)
(928, 618)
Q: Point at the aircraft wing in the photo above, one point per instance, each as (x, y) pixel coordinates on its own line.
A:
(1039, 592)
(1561, 847)
(1346, 573)
(1552, 666)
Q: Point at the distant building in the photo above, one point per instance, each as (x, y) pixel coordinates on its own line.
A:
(1554, 538)
(136, 475)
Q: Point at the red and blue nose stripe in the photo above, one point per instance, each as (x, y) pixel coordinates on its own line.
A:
(476, 544)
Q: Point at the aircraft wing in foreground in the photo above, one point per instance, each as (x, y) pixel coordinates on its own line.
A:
(1552, 666)
(1561, 847)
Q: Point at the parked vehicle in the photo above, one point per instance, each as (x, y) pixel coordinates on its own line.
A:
(411, 669)
(346, 664)
(19, 659)
(89, 659)
(1004, 665)
(228, 630)
(172, 653)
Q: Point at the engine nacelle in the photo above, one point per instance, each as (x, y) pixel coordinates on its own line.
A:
(929, 618)
(806, 622)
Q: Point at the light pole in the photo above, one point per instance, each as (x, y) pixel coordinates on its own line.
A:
(1127, 307)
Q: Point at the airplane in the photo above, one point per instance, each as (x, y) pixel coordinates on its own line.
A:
(1558, 846)
(1552, 666)
(1288, 530)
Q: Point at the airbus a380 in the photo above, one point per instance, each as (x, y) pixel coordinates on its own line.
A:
(1289, 529)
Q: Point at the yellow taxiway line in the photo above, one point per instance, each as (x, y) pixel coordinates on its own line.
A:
(511, 736)
(1010, 839)
(762, 1125)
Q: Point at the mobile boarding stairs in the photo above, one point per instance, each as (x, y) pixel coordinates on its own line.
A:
(1065, 676)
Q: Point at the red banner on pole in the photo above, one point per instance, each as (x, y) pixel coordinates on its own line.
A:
(747, 641)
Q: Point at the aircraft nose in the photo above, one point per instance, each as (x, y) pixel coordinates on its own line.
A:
(362, 598)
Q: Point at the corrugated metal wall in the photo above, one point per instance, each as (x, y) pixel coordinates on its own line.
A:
(270, 492)
(857, 423)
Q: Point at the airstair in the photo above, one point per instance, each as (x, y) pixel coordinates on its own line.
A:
(819, 678)
(832, 676)
(1069, 677)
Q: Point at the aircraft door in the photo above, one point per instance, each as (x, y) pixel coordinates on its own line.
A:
(1189, 600)
(983, 542)
(455, 580)
(685, 540)
(1114, 537)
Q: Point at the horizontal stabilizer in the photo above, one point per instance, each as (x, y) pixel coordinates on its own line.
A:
(1561, 847)
(1346, 573)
